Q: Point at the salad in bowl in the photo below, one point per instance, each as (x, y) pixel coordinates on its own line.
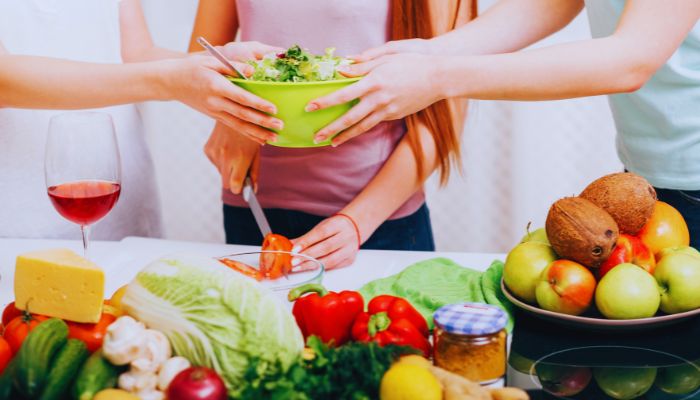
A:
(290, 80)
(298, 65)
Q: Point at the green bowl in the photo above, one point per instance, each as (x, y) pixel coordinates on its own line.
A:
(291, 98)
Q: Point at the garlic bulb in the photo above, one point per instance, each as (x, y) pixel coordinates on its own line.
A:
(170, 369)
(124, 341)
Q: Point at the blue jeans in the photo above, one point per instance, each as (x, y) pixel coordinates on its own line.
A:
(688, 204)
(408, 233)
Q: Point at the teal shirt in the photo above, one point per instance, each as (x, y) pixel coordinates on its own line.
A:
(658, 126)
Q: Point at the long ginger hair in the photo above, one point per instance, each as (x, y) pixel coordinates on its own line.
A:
(414, 19)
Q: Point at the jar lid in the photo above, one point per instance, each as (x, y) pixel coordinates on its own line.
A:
(470, 318)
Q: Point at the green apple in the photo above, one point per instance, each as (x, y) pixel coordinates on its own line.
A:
(624, 383)
(538, 235)
(520, 363)
(523, 267)
(678, 275)
(680, 379)
(691, 251)
(627, 292)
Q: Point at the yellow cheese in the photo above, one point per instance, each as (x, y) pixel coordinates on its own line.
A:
(61, 284)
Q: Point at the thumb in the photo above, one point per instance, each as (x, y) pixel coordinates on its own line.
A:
(218, 66)
(359, 69)
(371, 54)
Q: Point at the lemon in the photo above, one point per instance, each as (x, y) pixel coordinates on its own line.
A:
(415, 360)
(115, 394)
(408, 381)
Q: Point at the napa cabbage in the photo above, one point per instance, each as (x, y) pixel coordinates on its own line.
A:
(215, 317)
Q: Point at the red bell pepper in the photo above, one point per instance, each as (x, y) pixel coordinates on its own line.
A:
(392, 320)
(328, 315)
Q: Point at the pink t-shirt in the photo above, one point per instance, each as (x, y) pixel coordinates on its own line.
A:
(321, 181)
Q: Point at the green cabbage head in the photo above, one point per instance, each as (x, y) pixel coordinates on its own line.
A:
(214, 317)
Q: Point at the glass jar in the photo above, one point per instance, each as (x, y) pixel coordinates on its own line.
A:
(470, 340)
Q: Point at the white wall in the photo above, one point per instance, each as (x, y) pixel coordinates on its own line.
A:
(519, 157)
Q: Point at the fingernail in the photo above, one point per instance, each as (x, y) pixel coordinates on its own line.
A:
(272, 139)
(335, 144)
(311, 107)
(318, 140)
(272, 110)
(277, 124)
(296, 261)
(344, 68)
(296, 249)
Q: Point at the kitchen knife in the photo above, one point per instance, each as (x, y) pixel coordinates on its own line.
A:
(249, 196)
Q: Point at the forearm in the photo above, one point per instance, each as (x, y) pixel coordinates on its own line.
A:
(586, 68)
(48, 83)
(507, 26)
(399, 177)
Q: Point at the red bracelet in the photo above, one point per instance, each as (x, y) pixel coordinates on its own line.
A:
(354, 225)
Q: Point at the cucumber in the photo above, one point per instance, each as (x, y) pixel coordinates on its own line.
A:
(96, 374)
(36, 354)
(67, 363)
(6, 381)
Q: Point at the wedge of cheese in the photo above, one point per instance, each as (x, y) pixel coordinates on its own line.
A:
(59, 283)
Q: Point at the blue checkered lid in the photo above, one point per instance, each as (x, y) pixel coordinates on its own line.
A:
(470, 319)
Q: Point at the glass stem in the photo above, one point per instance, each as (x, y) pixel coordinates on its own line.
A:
(85, 230)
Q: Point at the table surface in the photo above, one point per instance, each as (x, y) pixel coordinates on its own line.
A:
(566, 353)
(122, 260)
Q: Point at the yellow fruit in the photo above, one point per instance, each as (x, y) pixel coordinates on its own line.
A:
(407, 381)
(114, 394)
(116, 300)
(415, 360)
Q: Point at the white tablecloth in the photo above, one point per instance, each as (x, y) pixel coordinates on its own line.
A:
(122, 260)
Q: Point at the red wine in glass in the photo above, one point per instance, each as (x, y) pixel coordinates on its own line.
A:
(84, 202)
(82, 167)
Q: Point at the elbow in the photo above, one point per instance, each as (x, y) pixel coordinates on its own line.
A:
(631, 82)
(635, 75)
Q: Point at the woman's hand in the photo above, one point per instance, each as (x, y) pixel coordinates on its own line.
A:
(333, 241)
(418, 46)
(197, 81)
(245, 51)
(395, 86)
(234, 156)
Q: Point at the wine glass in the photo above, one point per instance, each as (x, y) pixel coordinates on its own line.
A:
(82, 167)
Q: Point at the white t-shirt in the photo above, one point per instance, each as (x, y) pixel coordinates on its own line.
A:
(81, 30)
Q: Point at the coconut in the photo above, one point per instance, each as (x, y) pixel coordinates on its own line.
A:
(580, 231)
(627, 197)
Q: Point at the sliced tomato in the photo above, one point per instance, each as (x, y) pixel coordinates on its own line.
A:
(18, 329)
(275, 265)
(5, 354)
(243, 268)
(9, 313)
(91, 334)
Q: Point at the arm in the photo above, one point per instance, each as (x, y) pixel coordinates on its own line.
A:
(648, 33)
(217, 21)
(334, 241)
(49, 83)
(507, 26)
(136, 41)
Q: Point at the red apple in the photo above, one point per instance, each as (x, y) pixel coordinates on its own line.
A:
(565, 287)
(665, 228)
(629, 249)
